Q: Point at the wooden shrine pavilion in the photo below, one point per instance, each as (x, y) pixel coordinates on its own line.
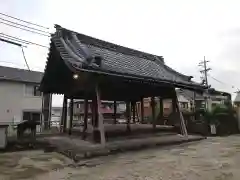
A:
(83, 67)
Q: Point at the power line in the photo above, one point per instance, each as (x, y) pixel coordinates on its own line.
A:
(24, 41)
(24, 26)
(222, 82)
(19, 45)
(25, 29)
(25, 59)
(217, 80)
(28, 22)
(12, 39)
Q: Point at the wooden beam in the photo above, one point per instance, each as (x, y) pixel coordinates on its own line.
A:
(71, 116)
(142, 110)
(100, 117)
(85, 118)
(153, 112)
(115, 112)
(128, 114)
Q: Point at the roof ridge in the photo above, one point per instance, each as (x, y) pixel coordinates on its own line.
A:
(60, 31)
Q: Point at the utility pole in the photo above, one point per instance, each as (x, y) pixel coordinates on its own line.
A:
(204, 71)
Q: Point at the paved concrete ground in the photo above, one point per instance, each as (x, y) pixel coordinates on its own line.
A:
(217, 158)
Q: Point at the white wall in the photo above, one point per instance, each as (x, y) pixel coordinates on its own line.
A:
(13, 101)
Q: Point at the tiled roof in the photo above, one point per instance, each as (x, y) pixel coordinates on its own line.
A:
(79, 52)
(20, 75)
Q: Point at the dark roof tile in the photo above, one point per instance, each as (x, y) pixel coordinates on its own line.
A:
(20, 75)
(76, 48)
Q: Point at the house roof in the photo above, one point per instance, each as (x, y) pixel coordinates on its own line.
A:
(81, 52)
(19, 75)
(182, 99)
(212, 92)
(237, 98)
(189, 94)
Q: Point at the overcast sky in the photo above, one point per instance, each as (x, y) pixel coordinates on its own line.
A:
(180, 31)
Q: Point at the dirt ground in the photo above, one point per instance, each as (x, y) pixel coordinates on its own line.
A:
(29, 164)
(216, 158)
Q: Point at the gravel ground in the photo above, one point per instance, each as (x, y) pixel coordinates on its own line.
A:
(217, 158)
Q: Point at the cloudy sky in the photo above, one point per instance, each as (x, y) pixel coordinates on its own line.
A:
(180, 31)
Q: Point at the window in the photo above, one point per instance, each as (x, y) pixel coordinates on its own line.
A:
(79, 105)
(185, 105)
(32, 116)
(31, 90)
(36, 92)
(146, 104)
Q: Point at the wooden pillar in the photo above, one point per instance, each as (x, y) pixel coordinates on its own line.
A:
(238, 117)
(182, 122)
(71, 116)
(46, 109)
(174, 105)
(161, 109)
(153, 112)
(128, 113)
(115, 112)
(64, 115)
(142, 111)
(85, 118)
(92, 112)
(137, 111)
(133, 106)
(100, 117)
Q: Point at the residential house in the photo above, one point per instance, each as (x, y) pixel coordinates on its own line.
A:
(237, 99)
(167, 107)
(56, 114)
(186, 101)
(20, 98)
(199, 100)
(107, 109)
